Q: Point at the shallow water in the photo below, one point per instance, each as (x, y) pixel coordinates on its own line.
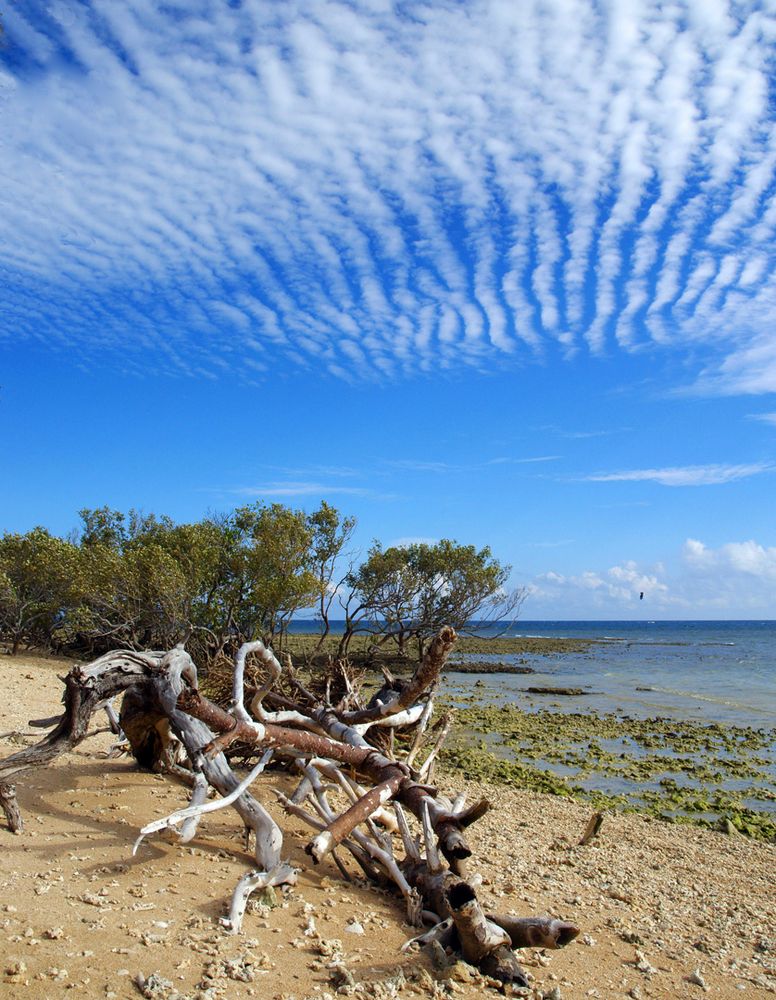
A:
(703, 671)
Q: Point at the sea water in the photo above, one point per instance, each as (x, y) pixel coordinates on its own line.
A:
(696, 671)
(704, 671)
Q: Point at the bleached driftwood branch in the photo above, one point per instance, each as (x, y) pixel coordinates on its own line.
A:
(355, 794)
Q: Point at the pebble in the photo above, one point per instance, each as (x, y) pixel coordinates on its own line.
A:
(15, 971)
(696, 978)
(643, 965)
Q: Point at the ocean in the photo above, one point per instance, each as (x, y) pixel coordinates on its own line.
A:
(705, 671)
(653, 723)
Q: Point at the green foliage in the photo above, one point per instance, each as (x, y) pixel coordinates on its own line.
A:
(276, 568)
(411, 591)
(38, 579)
(141, 581)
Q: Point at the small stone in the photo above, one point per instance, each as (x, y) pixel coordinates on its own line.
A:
(461, 972)
(696, 978)
(15, 971)
(643, 965)
(53, 933)
(553, 994)
(267, 897)
(153, 986)
(340, 976)
(439, 958)
(354, 927)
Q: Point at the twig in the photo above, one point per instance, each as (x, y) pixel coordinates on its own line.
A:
(198, 808)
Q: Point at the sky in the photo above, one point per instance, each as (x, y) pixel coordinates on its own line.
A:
(493, 271)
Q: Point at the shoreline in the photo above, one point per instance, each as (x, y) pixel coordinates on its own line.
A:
(656, 904)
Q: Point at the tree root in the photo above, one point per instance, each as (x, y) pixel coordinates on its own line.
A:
(342, 757)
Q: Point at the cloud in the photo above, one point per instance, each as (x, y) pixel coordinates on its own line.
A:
(403, 542)
(745, 558)
(441, 467)
(343, 188)
(687, 475)
(750, 369)
(300, 489)
(617, 587)
(734, 580)
(766, 418)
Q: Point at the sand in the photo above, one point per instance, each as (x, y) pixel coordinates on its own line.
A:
(665, 911)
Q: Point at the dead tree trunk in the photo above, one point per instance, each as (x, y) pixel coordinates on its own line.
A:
(378, 796)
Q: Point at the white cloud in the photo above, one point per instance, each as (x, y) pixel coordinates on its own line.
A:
(300, 489)
(344, 187)
(735, 580)
(747, 558)
(751, 367)
(399, 543)
(688, 475)
(766, 418)
(616, 588)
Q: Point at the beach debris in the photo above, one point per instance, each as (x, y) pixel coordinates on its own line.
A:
(591, 830)
(10, 807)
(153, 987)
(360, 790)
(571, 692)
(15, 972)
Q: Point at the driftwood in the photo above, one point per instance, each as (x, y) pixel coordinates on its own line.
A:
(357, 791)
(594, 824)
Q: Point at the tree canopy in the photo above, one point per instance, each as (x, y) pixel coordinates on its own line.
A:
(411, 591)
(141, 581)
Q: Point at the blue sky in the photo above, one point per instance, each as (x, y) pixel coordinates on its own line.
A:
(493, 271)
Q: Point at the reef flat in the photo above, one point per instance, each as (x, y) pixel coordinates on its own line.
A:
(711, 774)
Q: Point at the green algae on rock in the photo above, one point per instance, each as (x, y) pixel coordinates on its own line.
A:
(679, 770)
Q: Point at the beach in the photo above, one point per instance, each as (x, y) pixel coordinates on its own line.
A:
(664, 910)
